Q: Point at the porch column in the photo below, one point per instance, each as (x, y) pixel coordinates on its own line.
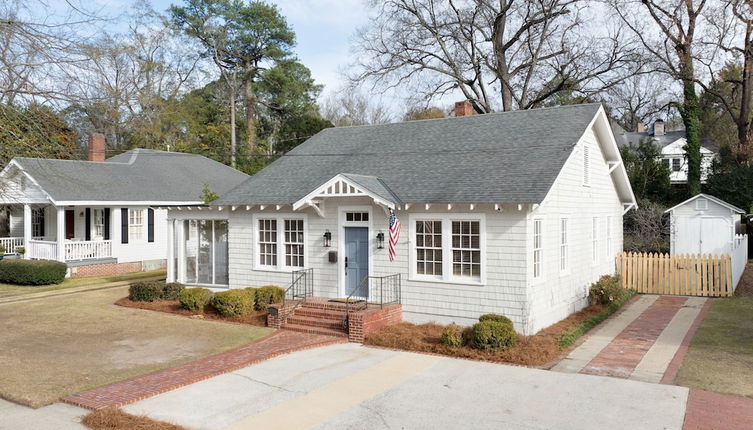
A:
(60, 233)
(27, 228)
(180, 236)
(171, 250)
(115, 233)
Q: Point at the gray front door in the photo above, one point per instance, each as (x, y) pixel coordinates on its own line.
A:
(356, 260)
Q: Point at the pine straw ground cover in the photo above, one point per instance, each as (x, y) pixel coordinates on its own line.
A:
(255, 318)
(115, 419)
(538, 350)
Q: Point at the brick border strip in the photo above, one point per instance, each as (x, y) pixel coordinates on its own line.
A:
(142, 387)
(674, 366)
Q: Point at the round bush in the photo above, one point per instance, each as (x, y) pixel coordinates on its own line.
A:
(452, 335)
(268, 295)
(194, 299)
(233, 302)
(32, 272)
(495, 317)
(146, 291)
(493, 335)
(171, 290)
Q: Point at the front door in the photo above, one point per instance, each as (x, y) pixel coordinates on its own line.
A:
(70, 221)
(356, 261)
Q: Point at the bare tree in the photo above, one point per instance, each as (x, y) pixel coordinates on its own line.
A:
(639, 99)
(347, 107)
(667, 29)
(513, 53)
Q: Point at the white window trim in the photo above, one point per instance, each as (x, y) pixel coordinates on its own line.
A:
(595, 239)
(610, 227)
(141, 226)
(565, 245)
(94, 225)
(280, 218)
(447, 272)
(343, 223)
(540, 276)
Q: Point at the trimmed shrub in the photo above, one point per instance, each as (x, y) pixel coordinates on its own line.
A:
(606, 290)
(145, 291)
(171, 290)
(233, 302)
(194, 299)
(453, 335)
(32, 272)
(267, 295)
(493, 335)
(495, 317)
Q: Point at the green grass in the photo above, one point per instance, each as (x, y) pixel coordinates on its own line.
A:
(60, 345)
(10, 290)
(720, 356)
(566, 339)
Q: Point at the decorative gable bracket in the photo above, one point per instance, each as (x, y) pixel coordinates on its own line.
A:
(340, 186)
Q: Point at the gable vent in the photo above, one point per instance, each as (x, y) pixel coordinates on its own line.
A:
(586, 166)
(701, 204)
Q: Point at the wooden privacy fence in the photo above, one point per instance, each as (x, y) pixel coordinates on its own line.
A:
(681, 274)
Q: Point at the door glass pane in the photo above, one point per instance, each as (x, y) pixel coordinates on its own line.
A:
(220, 253)
(191, 250)
(205, 252)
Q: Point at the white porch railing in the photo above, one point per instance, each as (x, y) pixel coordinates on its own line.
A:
(88, 250)
(42, 250)
(74, 250)
(11, 243)
(739, 257)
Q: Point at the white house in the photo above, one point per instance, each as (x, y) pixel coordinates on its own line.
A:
(514, 213)
(98, 215)
(672, 144)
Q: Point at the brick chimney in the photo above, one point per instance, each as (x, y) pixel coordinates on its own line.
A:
(641, 128)
(464, 108)
(97, 147)
(658, 128)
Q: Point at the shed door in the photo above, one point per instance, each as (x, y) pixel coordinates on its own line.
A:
(715, 236)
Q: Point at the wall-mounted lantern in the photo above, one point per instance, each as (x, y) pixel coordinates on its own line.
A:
(380, 240)
(327, 239)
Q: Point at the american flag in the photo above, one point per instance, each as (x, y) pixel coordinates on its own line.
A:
(394, 234)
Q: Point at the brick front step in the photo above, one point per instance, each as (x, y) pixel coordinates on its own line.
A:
(334, 324)
(326, 304)
(320, 313)
(315, 330)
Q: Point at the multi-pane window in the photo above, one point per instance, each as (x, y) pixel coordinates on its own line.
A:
(294, 242)
(99, 223)
(595, 239)
(37, 222)
(429, 248)
(676, 164)
(356, 216)
(537, 248)
(268, 242)
(563, 244)
(136, 224)
(609, 236)
(466, 249)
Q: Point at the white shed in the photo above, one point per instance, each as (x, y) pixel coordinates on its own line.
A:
(704, 224)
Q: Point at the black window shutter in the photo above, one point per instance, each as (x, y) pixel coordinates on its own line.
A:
(150, 225)
(107, 223)
(88, 230)
(42, 221)
(123, 225)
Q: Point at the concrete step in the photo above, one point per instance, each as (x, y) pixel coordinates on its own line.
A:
(315, 330)
(335, 324)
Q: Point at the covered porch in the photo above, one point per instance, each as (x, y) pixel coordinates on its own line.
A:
(62, 233)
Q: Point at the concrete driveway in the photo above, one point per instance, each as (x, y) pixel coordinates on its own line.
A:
(348, 386)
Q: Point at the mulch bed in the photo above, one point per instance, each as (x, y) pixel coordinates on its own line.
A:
(115, 419)
(256, 318)
(537, 350)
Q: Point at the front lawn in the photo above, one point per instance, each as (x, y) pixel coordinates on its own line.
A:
(256, 318)
(10, 290)
(720, 356)
(61, 345)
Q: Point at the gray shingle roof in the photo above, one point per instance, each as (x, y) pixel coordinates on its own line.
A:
(625, 138)
(138, 175)
(492, 158)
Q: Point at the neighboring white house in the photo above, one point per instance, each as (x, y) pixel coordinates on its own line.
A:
(98, 215)
(706, 225)
(514, 213)
(672, 144)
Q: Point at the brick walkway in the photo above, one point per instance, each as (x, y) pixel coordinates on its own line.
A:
(142, 387)
(714, 411)
(625, 352)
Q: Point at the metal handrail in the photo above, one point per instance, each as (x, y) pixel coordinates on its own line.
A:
(301, 287)
(392, 295)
